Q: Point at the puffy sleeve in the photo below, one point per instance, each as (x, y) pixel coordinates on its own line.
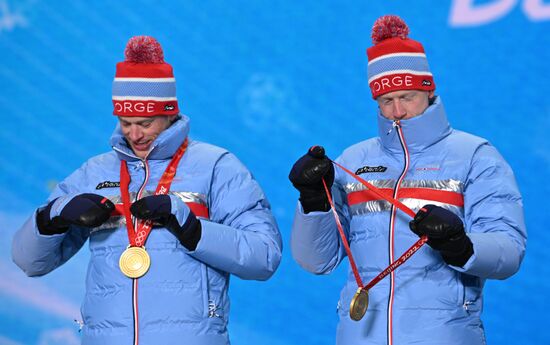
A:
(494, 219)
(315, 242)
(38, 254)
(241, 237)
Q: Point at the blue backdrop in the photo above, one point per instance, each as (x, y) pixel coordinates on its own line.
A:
(265, 79)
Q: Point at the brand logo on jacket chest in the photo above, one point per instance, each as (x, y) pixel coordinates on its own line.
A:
(429, 168)
(107, 184)
(368, 169)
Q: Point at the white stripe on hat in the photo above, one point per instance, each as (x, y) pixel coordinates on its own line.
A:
(397, 55)
(143, 98)
(149, 80)
(399, 71)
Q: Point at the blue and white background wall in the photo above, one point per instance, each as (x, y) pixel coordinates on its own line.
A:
(265, 79)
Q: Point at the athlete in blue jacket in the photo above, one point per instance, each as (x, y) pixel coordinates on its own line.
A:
(463, 192)
(165, 283)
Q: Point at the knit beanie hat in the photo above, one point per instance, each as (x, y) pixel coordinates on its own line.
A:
(396, 62)
(144, 84)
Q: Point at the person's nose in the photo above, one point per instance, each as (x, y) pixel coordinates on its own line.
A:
(399, 111)
(135, 133)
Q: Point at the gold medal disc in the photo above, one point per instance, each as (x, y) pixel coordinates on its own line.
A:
(134, 262)
(359, 304)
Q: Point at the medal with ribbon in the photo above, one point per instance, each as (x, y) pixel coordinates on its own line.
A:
(135, 261)
(360, 301)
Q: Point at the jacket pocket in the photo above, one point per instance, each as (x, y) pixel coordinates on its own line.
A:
(213, 293)
(461, 295)
(346, 295)
(472, 291)
(205, 289)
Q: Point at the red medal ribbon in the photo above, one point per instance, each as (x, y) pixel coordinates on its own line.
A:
(378, 192)
(138, 238)
(397, 262)
(344, 240)
(394, 202)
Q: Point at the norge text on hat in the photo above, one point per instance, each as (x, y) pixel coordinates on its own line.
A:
(144, 84)
(396, 62)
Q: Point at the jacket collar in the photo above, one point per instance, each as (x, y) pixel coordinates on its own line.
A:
(164, 146)
(420, 131)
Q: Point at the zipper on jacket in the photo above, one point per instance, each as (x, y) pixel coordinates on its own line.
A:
(393, 125)
(145, 165)
(135, 312)
(391, 242)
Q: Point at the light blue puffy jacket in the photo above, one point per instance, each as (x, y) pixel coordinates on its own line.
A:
(183, 298)
(425, 301)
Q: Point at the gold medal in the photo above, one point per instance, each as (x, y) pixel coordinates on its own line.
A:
(359, 304)
(134, 262)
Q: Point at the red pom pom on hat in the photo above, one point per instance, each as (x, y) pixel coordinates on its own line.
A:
(143, 49)
(389, 26)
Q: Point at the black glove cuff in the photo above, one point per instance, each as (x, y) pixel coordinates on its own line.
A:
(314, 202)
(47, 226)
(189, 234)
(459, 259)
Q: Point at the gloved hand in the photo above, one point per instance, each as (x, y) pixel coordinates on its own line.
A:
(306, 176)
(87, 210)
(172, 213)
(445, 233)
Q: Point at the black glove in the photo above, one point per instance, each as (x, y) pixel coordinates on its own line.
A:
(306, 176)
(158, 208)
(87, 210)
(445, 233)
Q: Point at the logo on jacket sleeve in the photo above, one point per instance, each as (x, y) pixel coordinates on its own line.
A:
(368, 169)
(107, 184)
